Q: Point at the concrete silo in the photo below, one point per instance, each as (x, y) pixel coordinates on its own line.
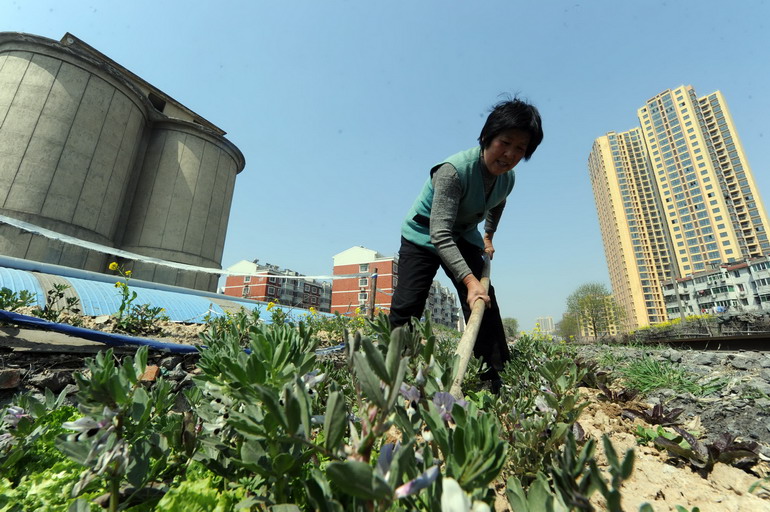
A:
(90, 150)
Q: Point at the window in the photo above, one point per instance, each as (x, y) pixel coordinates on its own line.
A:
(246, 290)
(363, 296)
(363, 281)
(363, 267)
(271, 290)
(247, 279)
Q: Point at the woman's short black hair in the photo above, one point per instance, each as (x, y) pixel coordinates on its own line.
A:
(513, 114)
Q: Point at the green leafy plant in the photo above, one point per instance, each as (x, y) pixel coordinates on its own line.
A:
(655, 415)
(54, 309)
(135, 318)
(289, 434)
(127, 434)
(619, 396)
(725, 449)
(593, 376)
(267, 425)
(574, 478)
(11, 300)
(27, 429)
(647, 374)
(648, 436)
(762, 485)
(542, 407)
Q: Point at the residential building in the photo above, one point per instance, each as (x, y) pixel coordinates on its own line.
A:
(356, 291)
(269, 283)
(730, 288)
(601, 322)
(366, 270)
(93, 152)
(545, 324)
(442, 305)
(674, 196)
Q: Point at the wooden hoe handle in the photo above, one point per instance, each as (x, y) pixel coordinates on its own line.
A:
(468, 340)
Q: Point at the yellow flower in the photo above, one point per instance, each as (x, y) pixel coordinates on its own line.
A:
(128, 273)
(114, 265)
(313, 310)
(118, 284)
(270, 305)
(358, 311)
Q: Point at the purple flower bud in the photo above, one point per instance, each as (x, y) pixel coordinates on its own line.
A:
(445, 401)
(411, 393)
(420, 378)
(14, 415)
(418, 484)
(385, 458)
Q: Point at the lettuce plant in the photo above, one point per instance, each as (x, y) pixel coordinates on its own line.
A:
(703, 456)
(655, 415)
(622, 395)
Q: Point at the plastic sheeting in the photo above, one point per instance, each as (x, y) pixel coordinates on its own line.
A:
(98, 297)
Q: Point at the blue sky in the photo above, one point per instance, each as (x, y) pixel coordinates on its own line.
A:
(341, 107)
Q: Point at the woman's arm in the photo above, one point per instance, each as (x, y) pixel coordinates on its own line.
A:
(490, 226)
(446, 200)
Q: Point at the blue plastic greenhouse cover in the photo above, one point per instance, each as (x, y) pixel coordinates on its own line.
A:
(18, 280)
(103, 298)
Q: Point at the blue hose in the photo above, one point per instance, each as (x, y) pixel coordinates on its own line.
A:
(108, 338)
(115, 340)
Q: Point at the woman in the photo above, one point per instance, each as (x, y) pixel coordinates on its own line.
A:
(441, 227)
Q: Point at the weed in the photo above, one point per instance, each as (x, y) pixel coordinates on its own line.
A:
(11, 301)
(132, 318)
(647, 374)
(54, 309)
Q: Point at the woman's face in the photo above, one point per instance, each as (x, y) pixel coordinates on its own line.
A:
(505, 151)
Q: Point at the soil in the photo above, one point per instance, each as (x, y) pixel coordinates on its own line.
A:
(664, 481)
(658, 479)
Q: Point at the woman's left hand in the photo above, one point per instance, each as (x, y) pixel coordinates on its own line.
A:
(489, 248)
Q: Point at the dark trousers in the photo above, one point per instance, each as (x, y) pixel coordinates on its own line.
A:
(417, 267)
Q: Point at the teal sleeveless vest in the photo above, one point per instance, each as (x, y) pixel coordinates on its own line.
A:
(473, 205)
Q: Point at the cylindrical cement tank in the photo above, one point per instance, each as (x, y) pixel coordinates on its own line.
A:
(70, 133)
(90, 150)
(182, 202)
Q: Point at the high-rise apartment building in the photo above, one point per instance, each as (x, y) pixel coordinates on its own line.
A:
(545, 324)
(674, 196)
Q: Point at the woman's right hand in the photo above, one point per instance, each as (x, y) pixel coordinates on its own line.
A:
(475, 291)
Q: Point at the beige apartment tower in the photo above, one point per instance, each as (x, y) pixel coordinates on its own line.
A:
(674, 197)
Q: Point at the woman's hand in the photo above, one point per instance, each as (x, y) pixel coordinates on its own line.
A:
(488, 247)
(475, 291)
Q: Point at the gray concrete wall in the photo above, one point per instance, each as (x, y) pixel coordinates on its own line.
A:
(68, 143)
(83, 152)
(182, 201)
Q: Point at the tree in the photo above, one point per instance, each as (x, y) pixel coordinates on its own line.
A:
(567, 328)
(594, 308)
(511, 327)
